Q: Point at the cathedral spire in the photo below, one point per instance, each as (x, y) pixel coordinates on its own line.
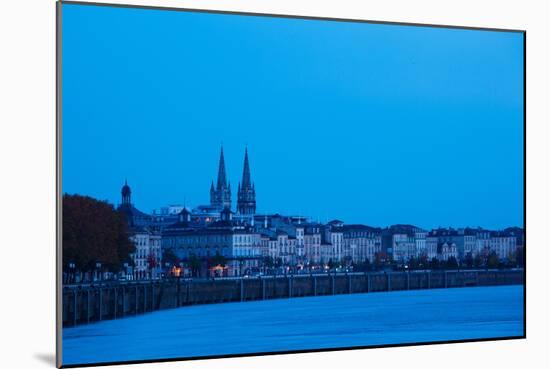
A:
(222, 178)
(245, 183)
(220, 196)
(246, 201)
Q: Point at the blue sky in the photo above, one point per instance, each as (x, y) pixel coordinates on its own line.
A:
(369, 123)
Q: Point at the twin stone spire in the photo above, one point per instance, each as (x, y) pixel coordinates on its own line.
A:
(220, 195)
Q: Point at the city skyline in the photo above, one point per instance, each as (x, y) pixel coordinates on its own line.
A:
(324, 217)
(125, 196)
(428, 130)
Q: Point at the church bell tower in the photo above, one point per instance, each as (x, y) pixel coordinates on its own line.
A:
(220, 196)
(246, 201)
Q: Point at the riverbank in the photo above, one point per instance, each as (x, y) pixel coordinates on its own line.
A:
(363, 319)
(85, 304)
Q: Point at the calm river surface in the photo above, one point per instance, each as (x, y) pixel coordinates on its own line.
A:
(301, 323)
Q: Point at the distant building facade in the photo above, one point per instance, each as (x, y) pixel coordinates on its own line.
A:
(144, 232)
(361, 242)
(240, 241)
(225, 241)
(147, 256)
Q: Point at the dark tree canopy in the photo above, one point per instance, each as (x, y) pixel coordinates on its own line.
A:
(269, 262)
(479, 261)
(434, 263)
(469, 260)
(168, 256)
(493, 260)
(194, 263)
(452, 262)
(93, 231)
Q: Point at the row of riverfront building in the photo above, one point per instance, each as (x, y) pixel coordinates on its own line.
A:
(248, 242)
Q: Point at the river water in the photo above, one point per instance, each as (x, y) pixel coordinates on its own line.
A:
(301, 323)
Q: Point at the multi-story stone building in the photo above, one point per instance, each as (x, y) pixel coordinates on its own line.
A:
(478, 241)
(463, 238)
(144, 232)
(361, 242)
(482, 242)
(447, 250)
(420, 242)
(404, 247)
(147, 256)
(239, 246)
(286, 248)
(404, 241)
(334, 236)
(273, 247)
(300, 247)
(503, 244)
(312, 244)
(431, 246)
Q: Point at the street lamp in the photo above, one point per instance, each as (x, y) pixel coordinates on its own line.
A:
(241, 262)
(71, 272)
(98, 270)
(176, 272)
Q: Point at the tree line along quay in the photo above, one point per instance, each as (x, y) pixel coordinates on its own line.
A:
(104, 242)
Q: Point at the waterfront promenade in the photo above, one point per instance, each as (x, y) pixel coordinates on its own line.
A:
(88, 303)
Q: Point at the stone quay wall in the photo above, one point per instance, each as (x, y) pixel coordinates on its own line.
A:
(83, 304)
